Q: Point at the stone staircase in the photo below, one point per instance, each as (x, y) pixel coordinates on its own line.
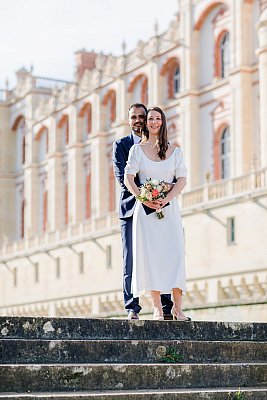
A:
(52, 359)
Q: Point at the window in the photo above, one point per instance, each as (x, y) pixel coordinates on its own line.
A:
(57, 267)
(88, 196)
(66, 203)
(15, 277)
(139, 89)
(36, 272)
(176, 80)
(81, 263)
(65, 195)
(44, 211)
(172, 77)
(225, 153)
(109, 109)
(63, 126)
(109, 256)
(111, 180)
(42, 144)
(230, 230)
(22, 219)
(225, 54)
(86, 115)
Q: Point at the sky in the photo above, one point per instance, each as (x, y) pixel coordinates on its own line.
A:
(47, 33)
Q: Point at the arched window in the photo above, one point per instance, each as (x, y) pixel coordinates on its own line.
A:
(42, 138)
(86, 114)
(222, 55)
(225, 54)
(109, 109)
(176, 80)
(63, 125)
(225, 153)
(172, 74)
(139, 89)
(19, 128)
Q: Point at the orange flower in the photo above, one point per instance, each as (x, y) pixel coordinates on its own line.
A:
(155, 193)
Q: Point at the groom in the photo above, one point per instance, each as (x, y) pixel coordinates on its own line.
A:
(121, 148)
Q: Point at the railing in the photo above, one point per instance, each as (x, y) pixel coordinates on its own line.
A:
(236, 187)
(73, 233)
(47, 83)
(247, 287)
(203, 196)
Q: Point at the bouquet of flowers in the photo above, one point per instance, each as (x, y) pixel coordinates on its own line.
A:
(153, 189)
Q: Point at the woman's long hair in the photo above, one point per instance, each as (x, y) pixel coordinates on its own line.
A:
(162, 141)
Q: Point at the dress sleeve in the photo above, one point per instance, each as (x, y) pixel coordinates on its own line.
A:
(180, 168)
(132, 166)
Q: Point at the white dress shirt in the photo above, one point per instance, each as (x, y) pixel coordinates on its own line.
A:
(136, 138)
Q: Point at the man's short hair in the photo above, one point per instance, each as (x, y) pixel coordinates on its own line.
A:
(137, 105)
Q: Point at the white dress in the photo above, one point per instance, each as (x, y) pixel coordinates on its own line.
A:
(158, 244)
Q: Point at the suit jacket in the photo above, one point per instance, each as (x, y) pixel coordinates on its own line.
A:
(121, 150)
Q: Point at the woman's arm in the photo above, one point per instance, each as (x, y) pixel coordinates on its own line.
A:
(133, 188)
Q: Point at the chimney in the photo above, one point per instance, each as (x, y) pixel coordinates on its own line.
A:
(84, 60)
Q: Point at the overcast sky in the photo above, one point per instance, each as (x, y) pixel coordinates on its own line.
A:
(46, 33)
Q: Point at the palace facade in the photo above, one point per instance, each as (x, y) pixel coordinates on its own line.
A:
(60, 250)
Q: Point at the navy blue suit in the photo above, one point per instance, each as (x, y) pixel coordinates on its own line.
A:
(121, 150)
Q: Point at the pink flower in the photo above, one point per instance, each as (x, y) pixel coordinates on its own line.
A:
(155, 193)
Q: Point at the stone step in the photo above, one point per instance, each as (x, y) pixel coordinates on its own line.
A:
(190, 394)
(79, 328)
(75, 377)
(18, 351)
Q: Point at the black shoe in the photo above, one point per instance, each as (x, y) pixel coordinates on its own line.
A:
(167, 317)
(133, 315)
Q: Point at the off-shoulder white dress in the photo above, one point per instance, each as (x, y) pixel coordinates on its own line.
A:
(158, 244)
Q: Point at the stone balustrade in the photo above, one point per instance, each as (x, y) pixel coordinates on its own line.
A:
(204, 196)
(41, 82)
(206, 292)
(207, 195)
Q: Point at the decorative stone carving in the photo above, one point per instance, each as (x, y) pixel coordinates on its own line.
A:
(110, 67)
(100, 61)
(85, 85)
(42, 109)
(24, 82)
(140, 49)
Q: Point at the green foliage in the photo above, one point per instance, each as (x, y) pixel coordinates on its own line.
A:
(237, 395)
(172, 357)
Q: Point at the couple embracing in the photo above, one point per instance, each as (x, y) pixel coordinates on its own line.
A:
(153, 247)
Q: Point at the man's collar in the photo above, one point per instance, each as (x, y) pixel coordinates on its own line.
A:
(136, 138)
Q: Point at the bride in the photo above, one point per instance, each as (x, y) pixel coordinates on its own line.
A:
(158, 244)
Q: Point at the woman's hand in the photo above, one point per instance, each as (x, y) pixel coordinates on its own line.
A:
(153, 204)
(165, 201)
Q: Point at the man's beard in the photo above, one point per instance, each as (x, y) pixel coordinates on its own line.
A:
(137, 129)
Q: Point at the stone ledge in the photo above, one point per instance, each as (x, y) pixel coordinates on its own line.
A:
(16, 351)
(34, 378)
(190, 394)
(81, 328)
